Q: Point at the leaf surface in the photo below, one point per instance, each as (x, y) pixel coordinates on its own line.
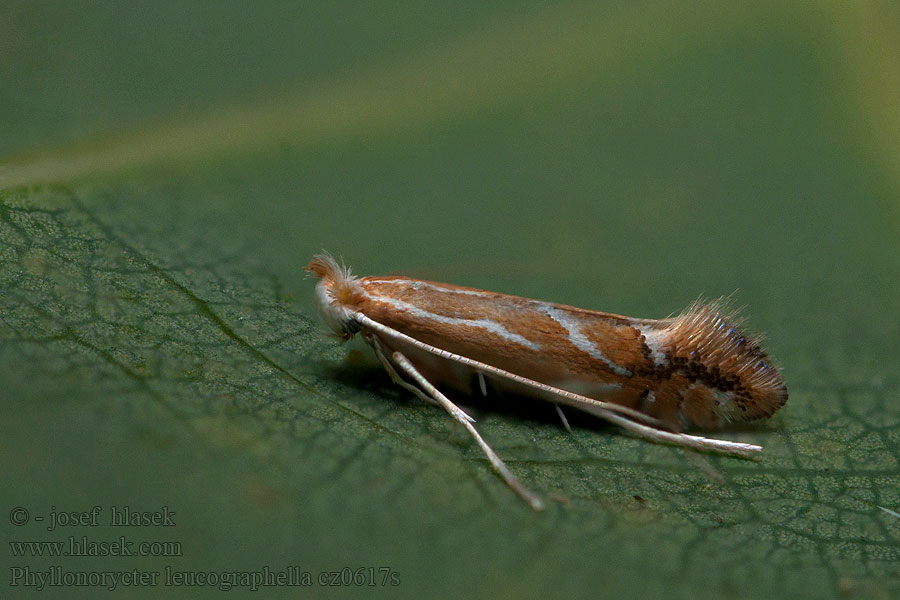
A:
(159, 344)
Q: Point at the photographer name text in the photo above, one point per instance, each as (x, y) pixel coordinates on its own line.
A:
(119, 516)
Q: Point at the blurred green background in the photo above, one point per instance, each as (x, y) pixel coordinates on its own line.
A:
(167, 169)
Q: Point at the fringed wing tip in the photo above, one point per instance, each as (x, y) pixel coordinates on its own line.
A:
(714, 331)
(713, 312)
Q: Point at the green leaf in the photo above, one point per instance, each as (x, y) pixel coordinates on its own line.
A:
(165, 175)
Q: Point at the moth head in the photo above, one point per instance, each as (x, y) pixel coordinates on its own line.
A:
(337, 294)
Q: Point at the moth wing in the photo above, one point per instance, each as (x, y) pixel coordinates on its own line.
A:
(636, 422)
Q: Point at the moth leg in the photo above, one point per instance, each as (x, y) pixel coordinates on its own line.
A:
(395, 377)
(482, 384)
(562, 417)
(498, 464)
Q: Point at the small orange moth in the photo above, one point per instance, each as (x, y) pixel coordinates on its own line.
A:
(655, 378)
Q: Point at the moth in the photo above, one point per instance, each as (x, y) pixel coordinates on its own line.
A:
(655, 378)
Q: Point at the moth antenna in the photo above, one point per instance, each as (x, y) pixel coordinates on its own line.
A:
(499, 466)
